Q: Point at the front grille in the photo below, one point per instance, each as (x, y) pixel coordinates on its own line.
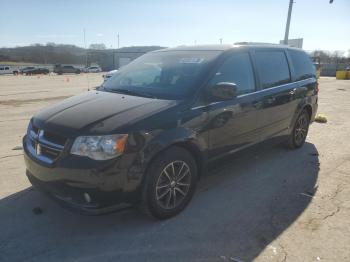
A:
(44, 145)
(54, 138)
(50, 153)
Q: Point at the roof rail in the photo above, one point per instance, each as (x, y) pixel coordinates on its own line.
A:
(254, 43)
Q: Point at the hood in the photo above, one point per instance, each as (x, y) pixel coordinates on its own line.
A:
(97, 112)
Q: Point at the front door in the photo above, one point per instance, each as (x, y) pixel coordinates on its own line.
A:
(234, 124)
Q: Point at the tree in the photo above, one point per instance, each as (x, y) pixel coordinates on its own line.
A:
(98, 46)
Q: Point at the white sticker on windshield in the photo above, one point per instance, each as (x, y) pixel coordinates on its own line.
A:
(191, 60)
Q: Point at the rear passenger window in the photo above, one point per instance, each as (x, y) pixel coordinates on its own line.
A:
(273, 68)
(302, 65)
(237, 69)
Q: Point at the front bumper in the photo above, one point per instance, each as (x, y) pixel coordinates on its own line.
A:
(90, 186)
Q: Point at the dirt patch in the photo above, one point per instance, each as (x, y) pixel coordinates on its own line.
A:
(17, 102)
(25, 93)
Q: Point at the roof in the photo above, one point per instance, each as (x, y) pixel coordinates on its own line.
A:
(224, 47)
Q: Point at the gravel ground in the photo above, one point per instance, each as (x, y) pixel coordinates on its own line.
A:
(263, 204)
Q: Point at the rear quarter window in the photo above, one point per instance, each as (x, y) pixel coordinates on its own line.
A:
(272, 67)
(303, 67)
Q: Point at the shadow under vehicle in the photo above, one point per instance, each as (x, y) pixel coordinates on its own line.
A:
(243, 203)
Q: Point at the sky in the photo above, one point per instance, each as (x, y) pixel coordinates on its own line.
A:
(171, 23)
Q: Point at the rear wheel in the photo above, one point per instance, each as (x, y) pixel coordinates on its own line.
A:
(300, 130)
(170, 183)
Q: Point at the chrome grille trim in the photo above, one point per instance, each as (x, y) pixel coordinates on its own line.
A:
(35, 139)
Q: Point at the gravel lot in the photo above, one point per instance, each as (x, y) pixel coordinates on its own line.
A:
(264, 204)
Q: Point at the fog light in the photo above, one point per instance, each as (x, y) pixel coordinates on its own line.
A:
(87, 197)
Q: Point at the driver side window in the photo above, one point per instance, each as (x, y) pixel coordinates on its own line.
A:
(237, 69)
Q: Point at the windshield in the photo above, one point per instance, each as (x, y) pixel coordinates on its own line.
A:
(168, 75)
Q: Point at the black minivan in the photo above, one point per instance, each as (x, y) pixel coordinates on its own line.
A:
(145, 136)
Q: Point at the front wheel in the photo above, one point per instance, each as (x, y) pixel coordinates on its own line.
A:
(300, 130)
(170, 183)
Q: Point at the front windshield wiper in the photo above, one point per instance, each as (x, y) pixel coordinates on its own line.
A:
(129, 92)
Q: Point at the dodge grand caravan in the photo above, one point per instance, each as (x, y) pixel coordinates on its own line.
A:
(144, 137)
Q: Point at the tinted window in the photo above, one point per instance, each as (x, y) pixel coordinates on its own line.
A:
(7, 68)
(302, 64)
(169, 74)
(273, 68)
(237, 69)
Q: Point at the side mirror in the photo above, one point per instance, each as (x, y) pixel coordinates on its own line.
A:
(223, 91)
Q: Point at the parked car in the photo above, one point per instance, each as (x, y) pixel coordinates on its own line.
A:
(36, 71)
(146, 135)
(4, 70)
(25, 69)
(66, 69)
(93, 69)
(109, 74)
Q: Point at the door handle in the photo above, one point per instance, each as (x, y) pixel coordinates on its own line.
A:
(292, 92)
(271, 100)
(257, 104)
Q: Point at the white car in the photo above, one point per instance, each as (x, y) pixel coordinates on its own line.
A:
(109, 74)
(93, 69)
(8, 70)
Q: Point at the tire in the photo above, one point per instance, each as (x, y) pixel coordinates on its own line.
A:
(300, 130)
(165, 195)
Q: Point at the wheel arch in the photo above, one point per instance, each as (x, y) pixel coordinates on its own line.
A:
(302, 106)
(187, 145)
(308, 109)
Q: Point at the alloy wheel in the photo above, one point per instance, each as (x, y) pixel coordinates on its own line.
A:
(173, 184)
(301, 129)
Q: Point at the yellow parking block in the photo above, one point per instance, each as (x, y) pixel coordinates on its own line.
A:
(321, 118)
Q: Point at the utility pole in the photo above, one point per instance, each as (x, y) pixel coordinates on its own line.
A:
(286, 34)
(118, 40)
(220, 41)
(84, 38)
(86, 59)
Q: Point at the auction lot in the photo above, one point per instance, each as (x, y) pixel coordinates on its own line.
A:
(264, 204)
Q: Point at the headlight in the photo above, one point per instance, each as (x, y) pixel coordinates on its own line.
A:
(99, 147)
